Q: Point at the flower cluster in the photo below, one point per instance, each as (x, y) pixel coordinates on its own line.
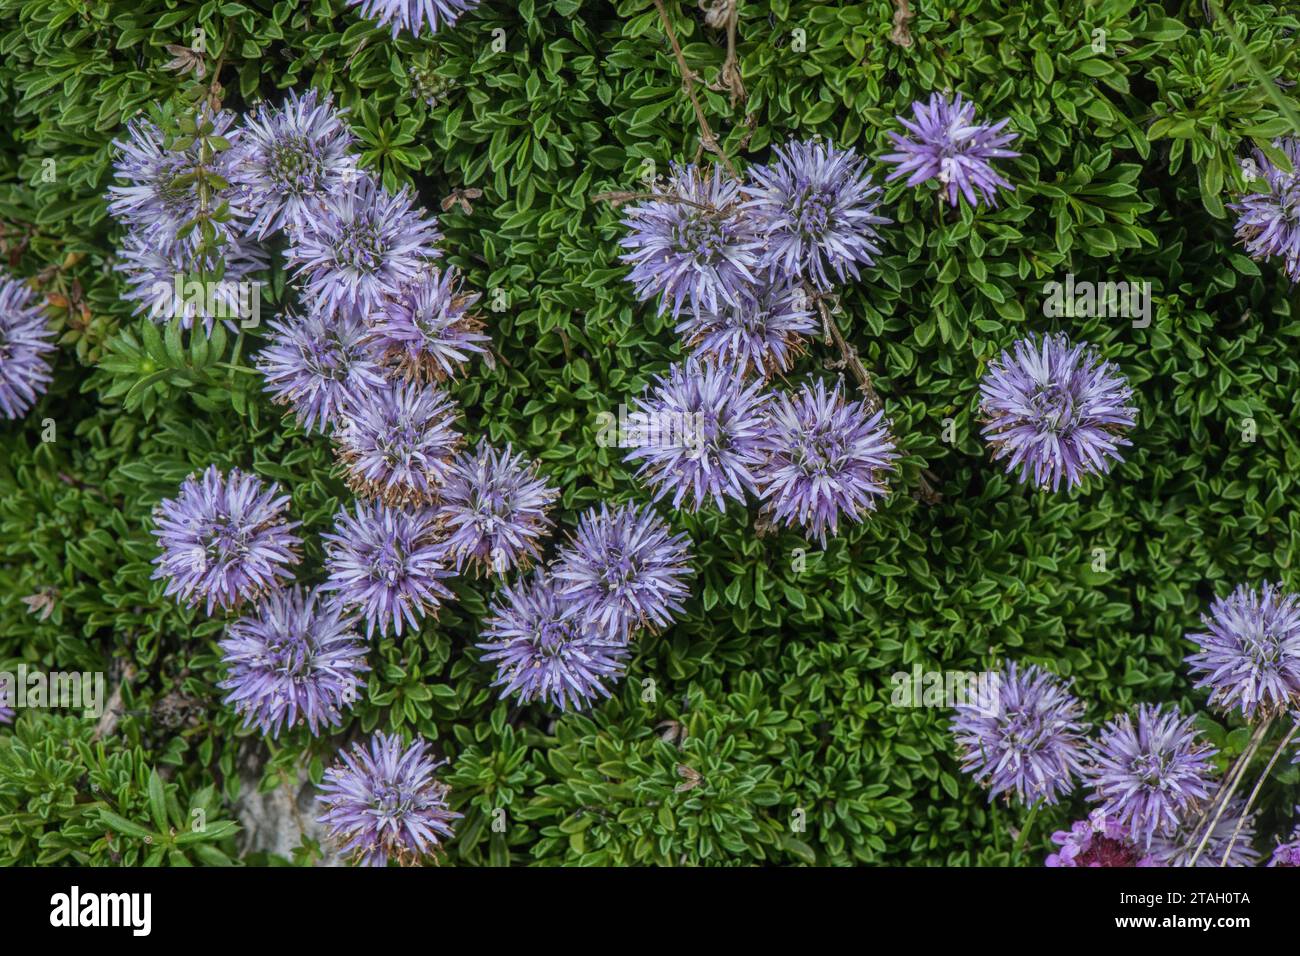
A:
(161, 183)
(24, 343)
(743, 267)
(823, 456)
(1096, 843)
(387, 563)
(494, 508)
(383, 802)
(947, 144)
(1268, 222)
(1287, 854)
(429, 330)
(761, 337)
(319, 366)
(565, 635)
(1153, 776)
(1149, 774)
(1249, 656)
(185, 254)
(398, 441)
(361, 248)
(698, 435)
(224, 539)
(1026, 739)
(1055, 410)
(543, 654)
(816, 208)
(623, 570)
(291, 161)
(296, 659)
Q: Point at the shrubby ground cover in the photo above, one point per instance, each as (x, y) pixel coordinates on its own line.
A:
(761, 727)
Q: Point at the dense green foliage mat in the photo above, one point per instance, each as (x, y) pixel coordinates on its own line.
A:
(760, 728)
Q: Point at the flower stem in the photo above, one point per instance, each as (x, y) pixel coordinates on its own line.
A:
(1229, 786)
(1024, 831)
(1250, 802)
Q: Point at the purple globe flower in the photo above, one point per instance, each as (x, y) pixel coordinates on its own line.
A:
(24, 370)
(817, 211)
(291, 159)
(624, 569)
(542, 655)
(948, 145)
(494, 506)
(760, 337)
(1024, 738)
(224, 539)
(175, 281)
(1287, 854)
(296, 659)
(697, 435)
(412, 15)
(1055, 410)
(824, 457)
(1178, 850)
(1250, 657)
(388, 564)
(319, 366)
(429, 330)
(159, 193)
(6, 715)
(1148, 777)
(1268, 223)
(692, 243)
(384, 802)
(398, 442)
(1100, 843)
(361, 248)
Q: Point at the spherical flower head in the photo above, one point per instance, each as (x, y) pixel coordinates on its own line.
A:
(1096, 843)
(759, 337)
(542, 655)
(6, 715)
(692, 243)
(624, 569)
(388, 564)
(1151, 775)
(176, 281)
(494, 506)
(817, 210)
(429, 331)
(296, 659)
(824, 457)
(1268, 222)
(697, 435)
(383, 802)
(159, 194)
(948, 145)
(414, 15)
(1178, 849)
(24, 343)
(319, 366)
(1024, 737)
(224, 539)
(290, 160)
(361, 248)
(397, 442)
(1250, 653)
(1055, 410)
